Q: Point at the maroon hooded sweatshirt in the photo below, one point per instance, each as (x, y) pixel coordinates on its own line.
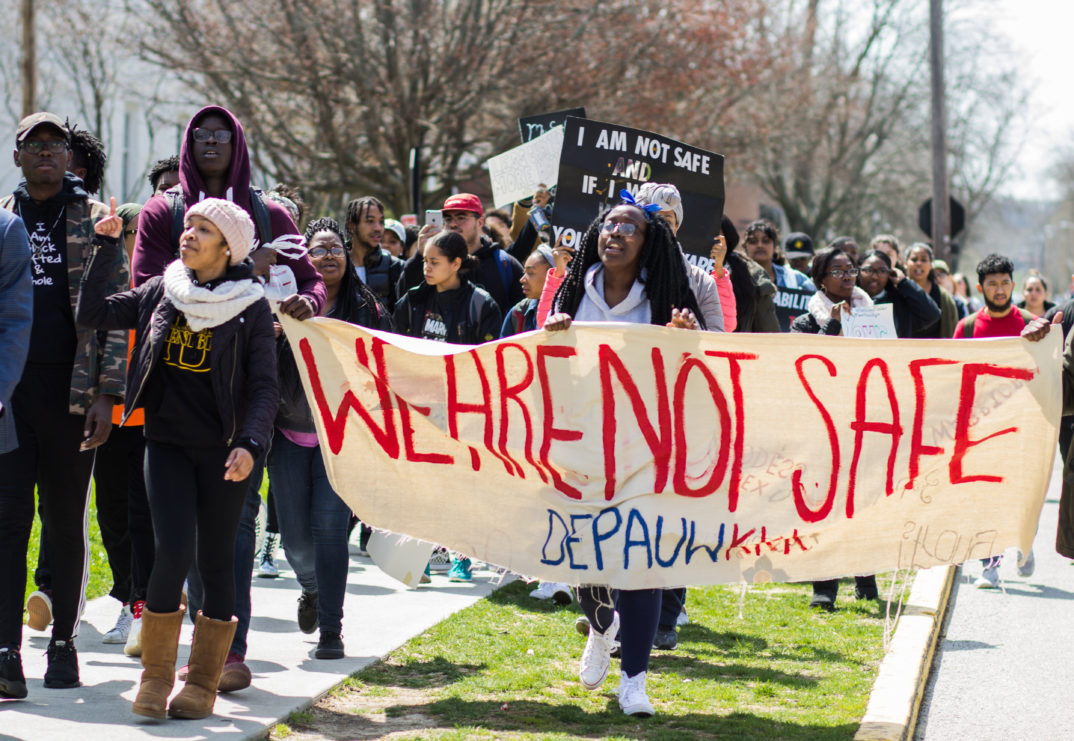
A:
(153, 249)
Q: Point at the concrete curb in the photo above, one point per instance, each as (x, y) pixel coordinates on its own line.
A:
(900, 683)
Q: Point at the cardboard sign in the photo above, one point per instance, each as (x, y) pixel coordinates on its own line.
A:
(601, 159)
(790, 304)
(870, 322)
(531, 127)
(641, 456)
(518, 172)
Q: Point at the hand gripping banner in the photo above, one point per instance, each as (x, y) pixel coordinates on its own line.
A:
(640, 456)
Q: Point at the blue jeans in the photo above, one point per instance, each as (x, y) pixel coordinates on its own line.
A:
(313, 526)
(244, 562)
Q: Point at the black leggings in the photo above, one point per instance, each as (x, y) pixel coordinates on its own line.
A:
(193, 507)
(639, 613)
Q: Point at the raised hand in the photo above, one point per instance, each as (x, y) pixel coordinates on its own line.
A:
(111, 225)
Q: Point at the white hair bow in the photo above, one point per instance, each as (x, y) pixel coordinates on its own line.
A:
(289, 245)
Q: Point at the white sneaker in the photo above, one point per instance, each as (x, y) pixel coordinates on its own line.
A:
(597, 656)
(633, 699)
(1027, 564)
(38, 610)
(682, 619)
(989, 578)
(266, 567)
(134, 637)
(121, 629)
(553, 590)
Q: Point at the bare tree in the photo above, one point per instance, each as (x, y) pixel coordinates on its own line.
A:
(847, 148)
(336, 93)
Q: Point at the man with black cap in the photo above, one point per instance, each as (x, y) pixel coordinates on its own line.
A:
(63, 403)
(798, 248)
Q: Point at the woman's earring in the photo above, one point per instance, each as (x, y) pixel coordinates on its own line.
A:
(227, 252)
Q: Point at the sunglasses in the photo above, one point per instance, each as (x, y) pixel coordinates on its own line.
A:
(625, 228)
(318, 252)
(35, 146)
(220, 136)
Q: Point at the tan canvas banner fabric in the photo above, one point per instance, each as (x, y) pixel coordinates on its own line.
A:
(639, 456)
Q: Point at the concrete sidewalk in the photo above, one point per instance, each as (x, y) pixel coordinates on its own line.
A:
(1002, 668)
(381, 614)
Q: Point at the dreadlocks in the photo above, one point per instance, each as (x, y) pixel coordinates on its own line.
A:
(666, 284)
(357, 209)
(89, 154)
(353, 292)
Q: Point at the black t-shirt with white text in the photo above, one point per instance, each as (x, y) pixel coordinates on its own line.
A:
(52, 337)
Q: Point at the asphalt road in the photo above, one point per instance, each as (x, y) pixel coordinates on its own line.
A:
(1003, 668)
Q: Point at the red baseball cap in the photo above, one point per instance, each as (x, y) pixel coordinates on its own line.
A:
(464, 202)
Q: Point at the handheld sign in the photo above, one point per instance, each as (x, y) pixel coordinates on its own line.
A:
(790, 304)
(531, 127)
(600, 159)
(871, 322)
(518, 172)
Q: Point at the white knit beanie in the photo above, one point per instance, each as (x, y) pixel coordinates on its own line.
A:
(232, 221)
(664, 195)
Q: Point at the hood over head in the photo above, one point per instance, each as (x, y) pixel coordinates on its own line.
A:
(238, 174)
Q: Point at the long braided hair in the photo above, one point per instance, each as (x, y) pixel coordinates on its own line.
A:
(667, 285)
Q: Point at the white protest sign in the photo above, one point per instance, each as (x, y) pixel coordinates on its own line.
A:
(516, 173)
(876, 322)
(642, 457)
(399, 556)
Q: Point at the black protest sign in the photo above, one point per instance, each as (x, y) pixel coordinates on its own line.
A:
(531, 127)
(790, 304)
(601, 159)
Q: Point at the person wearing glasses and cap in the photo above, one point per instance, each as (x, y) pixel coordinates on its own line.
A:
(62, 405)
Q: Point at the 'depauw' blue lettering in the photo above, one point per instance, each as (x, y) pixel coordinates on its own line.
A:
(599, 537)
(552, 516)
(633, 517)
(714, 553)
(571, 539)
(678, 546)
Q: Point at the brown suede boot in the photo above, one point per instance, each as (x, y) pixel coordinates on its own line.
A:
(160, 641)
(212, 639)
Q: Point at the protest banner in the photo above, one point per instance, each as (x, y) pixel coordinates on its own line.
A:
(875, 322)
(516, 173)
(600, 159)
(531, 127)
(790, 304)
(642, 456)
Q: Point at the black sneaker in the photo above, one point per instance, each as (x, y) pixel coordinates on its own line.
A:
(62, 672)
(666, 640)
(12, 681)
(330, 646)
(307, 612)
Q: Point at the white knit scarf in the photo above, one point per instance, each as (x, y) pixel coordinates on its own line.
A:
(204, 307)
(820, 306)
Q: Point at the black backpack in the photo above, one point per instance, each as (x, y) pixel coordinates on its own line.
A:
(177, 204)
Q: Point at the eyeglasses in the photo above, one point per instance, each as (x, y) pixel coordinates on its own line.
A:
(458, 217)
(874, 271)
(625, 228)
(318, 252)
(36, 146)
(849, 273)
(220, 136)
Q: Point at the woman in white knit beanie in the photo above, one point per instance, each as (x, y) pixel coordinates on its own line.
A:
(204, 369)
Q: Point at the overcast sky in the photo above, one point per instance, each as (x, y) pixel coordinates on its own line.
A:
(1042, 32)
